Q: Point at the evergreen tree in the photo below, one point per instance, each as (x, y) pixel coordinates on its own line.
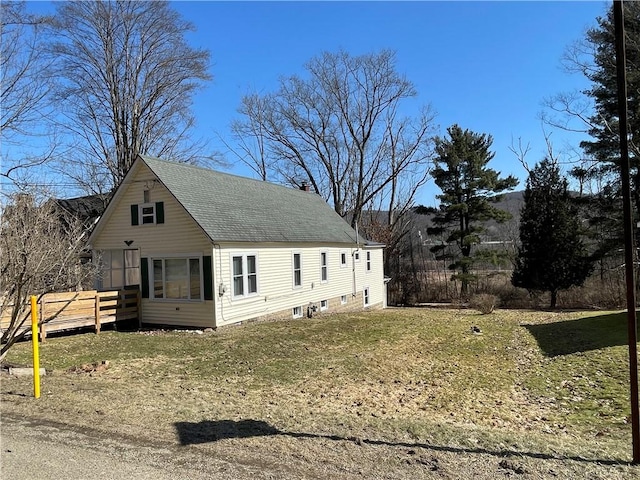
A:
(469, 190)
(605, 146)
(552, 256)
(603, 207)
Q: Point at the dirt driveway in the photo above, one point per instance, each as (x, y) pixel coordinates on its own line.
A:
(42, 449)
(33, 449)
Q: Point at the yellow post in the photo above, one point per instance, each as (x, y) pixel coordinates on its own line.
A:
(34, 340)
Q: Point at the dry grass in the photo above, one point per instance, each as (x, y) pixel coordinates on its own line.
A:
(416, 385)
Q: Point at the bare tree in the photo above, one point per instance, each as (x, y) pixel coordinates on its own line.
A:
(24, 90)
(340, 129)
(388, 217)
(251, 137)
(126, 81)
(40, 250)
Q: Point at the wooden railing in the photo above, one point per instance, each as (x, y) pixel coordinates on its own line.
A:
(65, 311)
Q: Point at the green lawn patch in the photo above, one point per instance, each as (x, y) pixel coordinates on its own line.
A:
(553, 383)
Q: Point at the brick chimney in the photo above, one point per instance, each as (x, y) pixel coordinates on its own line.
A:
(304, 186)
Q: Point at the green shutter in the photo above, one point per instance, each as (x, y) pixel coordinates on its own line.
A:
(144, 276)
(134, 214)
(159, 212)
(207, 268)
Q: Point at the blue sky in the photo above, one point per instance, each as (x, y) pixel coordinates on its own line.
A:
(484, 65)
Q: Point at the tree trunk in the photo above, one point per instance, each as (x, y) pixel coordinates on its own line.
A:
(464, 287)
(554, 299)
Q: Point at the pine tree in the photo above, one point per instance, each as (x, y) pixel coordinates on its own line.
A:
(552, 255)
(603, 208)
(469, 190)
(605, 146)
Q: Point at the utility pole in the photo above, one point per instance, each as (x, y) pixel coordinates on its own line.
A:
(618, 18)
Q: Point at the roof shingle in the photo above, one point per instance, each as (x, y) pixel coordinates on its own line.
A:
(230, 208)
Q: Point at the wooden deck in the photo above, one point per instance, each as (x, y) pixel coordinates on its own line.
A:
(67, 311)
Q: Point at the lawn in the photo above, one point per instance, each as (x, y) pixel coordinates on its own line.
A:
(402, 392)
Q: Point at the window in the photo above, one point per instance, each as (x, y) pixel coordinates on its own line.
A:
(324, 267)
(297, 270)
(343, 299)
(132, 266)
(114, 259)
(343, 259)
(119, 268)
(147, 213)
(324, 304)
(356, 256)
(245, 275)
(368, 261)
(297, 312)
(365, 294)
(238, 277)
(177, 278)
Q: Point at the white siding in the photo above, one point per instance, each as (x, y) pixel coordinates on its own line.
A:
(178, 235)
(185, 314)
(374, 279)
(276, 292)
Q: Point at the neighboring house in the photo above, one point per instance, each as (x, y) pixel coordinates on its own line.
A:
(211, 249)
(87, 210)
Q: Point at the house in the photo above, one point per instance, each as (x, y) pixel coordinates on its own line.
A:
(87, 210)
(210, 249)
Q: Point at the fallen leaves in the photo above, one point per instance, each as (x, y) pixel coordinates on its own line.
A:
(90, 368)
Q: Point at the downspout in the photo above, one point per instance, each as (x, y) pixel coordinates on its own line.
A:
(353, 268)
(353, 263)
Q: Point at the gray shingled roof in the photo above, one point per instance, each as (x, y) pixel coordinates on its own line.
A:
(230, 208)
(87, 209)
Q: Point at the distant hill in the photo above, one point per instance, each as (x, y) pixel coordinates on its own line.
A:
(508, 231)
(511, 202)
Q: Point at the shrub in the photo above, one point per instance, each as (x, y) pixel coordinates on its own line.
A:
(483, 302)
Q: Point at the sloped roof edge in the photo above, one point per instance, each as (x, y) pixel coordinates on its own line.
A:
(233, 208)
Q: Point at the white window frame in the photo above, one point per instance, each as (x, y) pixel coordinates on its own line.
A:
(356, 255)
(366, 296)
(297, 312)
(293, 270)
(324, 305)
(324, 267)
(245, 275)
(343, 300)
(142, 215)
(368, 269)
(187, 258)
(343, 259)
